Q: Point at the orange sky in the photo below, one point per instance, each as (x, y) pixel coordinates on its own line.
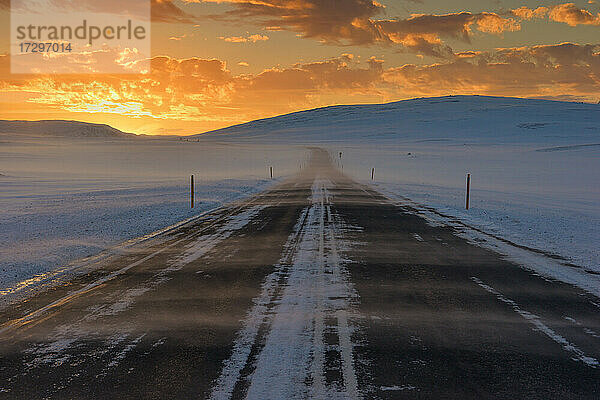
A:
(217, 63)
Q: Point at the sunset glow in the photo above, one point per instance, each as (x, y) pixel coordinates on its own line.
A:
(217, 63)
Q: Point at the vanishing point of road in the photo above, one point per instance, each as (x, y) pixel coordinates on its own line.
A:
(319, 288)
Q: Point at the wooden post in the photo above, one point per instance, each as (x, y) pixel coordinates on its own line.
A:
(372, 174)
(271, 171)
(192, 191)
(468, 190)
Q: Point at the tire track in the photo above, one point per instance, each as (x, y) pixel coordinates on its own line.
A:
(286, 345)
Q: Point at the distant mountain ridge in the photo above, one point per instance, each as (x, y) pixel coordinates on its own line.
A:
(61, 128)
(450, 118)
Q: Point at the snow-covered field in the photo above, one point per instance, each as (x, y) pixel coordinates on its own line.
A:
(64, 199)
(535, 164)
(543, 200)
(535, 169)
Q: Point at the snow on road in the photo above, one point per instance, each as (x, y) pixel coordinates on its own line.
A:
(308, 294)
(205, 243)
(540, 263)
(59, 349)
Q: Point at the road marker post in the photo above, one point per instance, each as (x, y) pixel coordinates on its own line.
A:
(192, 191)
(372, 174)
(468, 191)
(271, 171)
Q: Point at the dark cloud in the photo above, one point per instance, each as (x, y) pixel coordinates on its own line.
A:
(360, 22)
(166, 11)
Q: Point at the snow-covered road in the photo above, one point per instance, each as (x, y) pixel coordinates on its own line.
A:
(319, 288)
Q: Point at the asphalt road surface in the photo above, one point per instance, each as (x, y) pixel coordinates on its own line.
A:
(319, 288)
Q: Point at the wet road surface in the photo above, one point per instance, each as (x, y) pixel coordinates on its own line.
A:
(319, 288)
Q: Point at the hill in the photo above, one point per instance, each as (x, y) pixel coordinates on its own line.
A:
(473, 118)
(59, 128)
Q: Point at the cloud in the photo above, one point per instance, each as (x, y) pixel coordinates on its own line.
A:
(333, 74)
(493, 23)
(567, 13)
(359, 22)
(166, 11)
(423, 33)
(552, 70)
(248, 39)
(178, 38)
(528, 13)
(326, 20)
(572, 15)
(195, 89)
(205, 92)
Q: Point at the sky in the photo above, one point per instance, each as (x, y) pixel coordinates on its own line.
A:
(216, 63)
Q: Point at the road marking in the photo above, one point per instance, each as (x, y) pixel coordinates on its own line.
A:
(344, 332)
(578, 355)
(396, 388)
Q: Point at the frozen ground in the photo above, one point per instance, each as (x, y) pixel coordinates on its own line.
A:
(535, 164)
(44, 231)
(543, 200)
(65, 199)
(535, 174)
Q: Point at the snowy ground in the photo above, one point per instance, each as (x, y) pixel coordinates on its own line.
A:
(41, 232)
(535, 164)
(543, 200)
(65, 199)
(535, 174)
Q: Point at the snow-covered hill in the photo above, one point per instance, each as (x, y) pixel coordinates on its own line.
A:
(472, 118)
(58, 128)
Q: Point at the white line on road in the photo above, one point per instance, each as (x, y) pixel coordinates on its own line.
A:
(578, 355)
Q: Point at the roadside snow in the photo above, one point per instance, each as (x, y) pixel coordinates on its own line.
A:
(545, 265)
(64, 201)
(40, 233)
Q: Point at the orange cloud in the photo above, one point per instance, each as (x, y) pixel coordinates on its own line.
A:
(493, 23)
(355, 22)
(567, 13)
(528, 13)
(551, 71)
(205, 94)
(241, 39)
(572, 15)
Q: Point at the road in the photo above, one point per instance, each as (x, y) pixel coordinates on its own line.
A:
(319, 288)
